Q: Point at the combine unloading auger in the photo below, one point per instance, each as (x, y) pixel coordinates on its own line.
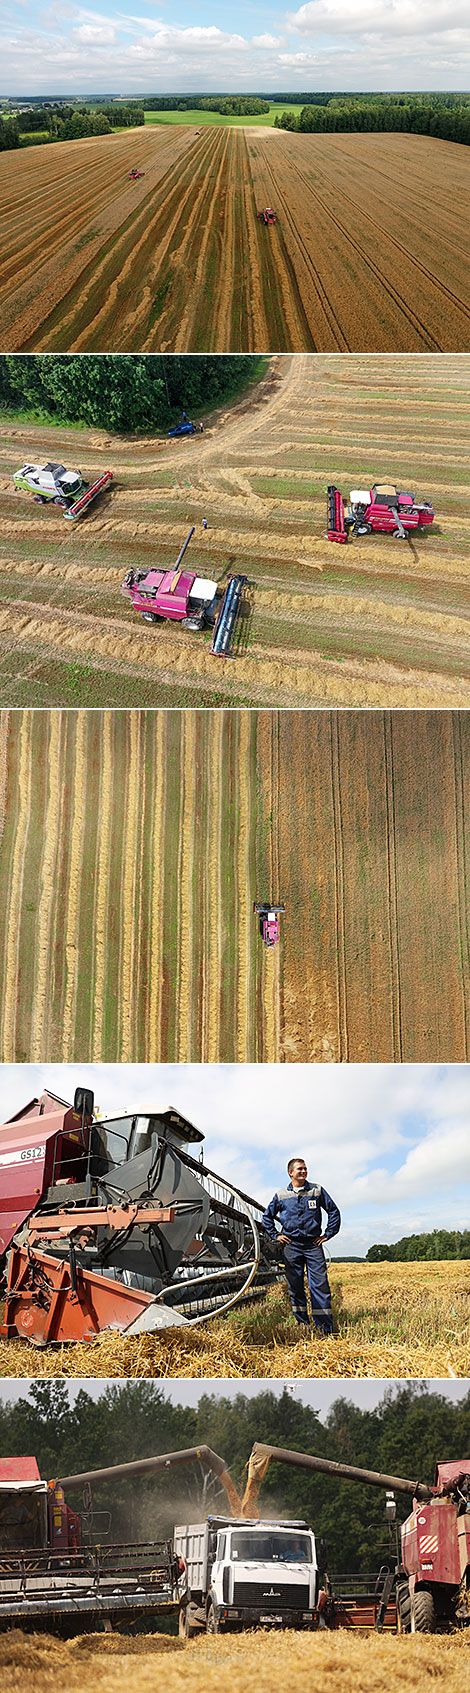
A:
(115, 1225)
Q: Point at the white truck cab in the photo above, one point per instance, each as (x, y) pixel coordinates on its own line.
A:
(243, 1574)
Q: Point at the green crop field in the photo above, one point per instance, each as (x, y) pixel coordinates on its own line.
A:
(199, 118)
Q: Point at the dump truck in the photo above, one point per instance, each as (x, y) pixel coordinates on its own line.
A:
(179, 596)
(53, 484)
(244, 1573)
(382, 510)
(114, 1223)
(431, 1578)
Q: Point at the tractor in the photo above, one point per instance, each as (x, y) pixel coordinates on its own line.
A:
(268, 921)
(382, 509)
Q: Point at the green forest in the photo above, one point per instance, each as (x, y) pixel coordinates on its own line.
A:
(442, 1243)
(228, 105)
(411, 1428)
(132, 392)
(446, 116)
(66, 123)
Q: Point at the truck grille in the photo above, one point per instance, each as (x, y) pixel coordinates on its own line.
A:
(271, 1595)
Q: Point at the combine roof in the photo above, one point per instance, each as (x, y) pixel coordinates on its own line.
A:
(18, 1470)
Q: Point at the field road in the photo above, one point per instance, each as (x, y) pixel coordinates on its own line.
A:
(133, 845)
(374, 623)
(367, 254)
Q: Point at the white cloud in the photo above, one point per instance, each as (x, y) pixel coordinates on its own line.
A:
(378, 17)
(95, 35)
(266, 41)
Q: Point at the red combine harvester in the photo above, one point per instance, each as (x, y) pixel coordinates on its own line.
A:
(432, 1575)
(179, 596)
(268, 921)
(267, 216)
(135, 174)
(113, 1224)
(380, 510)
(52, 1575)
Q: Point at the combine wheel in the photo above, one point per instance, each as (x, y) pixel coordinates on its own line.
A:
(151, 617)
(424, 1611)
(364, 529)
(58, 501)
(404, 1608)
(39, 500)
(192, 622)
(398, 537)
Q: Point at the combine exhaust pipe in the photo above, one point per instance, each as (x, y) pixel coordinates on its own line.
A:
(227, 616)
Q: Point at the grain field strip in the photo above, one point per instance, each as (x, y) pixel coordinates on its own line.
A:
(245, 947)
(157, 896)
(130, 866)
(4, 734)
(72, 927)
(10, 991)
(101, 910)
(395, 985)
(463, 889)
(48, 885)
(339, 892)
(184, 891)
(214, 830)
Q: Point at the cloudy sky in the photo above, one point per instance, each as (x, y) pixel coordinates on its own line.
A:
(391, 1142)
(198, 45)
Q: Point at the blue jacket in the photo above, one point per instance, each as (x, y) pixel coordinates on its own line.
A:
(299, 1213)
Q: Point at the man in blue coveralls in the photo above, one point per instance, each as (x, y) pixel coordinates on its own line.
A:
(298, 1208)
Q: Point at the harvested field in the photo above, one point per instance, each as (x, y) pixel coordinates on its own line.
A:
(390, 1321)
(370, 624)
(243, 1662)
(367, 254)
(134, 845)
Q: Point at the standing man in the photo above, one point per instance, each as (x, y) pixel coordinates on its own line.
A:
(298, 1208)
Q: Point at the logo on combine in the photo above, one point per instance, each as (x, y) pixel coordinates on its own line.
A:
(24, 1155)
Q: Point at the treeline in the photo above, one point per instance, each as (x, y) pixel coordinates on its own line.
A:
(442, 1243)
(405, 1434)
(130, 392)
(228, 105)
(412, 117)
(66, 123)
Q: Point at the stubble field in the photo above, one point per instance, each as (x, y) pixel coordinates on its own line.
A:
(133, 846)
(375, 623)
(368, 253)
(110, 1663)
(391, 1321)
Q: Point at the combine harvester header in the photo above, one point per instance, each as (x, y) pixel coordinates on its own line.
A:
(114, 1224)
(91, 493)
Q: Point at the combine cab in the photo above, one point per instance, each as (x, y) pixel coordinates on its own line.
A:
(268, 921)
(52, 483)
(115, 1224)
(267, 216)
(178, 596)
(379, 510)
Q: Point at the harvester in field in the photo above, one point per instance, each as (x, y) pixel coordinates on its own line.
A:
(179, 596)
(134, 175)
(116, 1225)
(431, 1578)
(380, 510)
(268, 921)
(267, 216)
(53, 484)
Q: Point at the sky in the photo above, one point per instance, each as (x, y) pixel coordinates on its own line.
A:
(320, 1396)
(389, 1142)
(198, 46)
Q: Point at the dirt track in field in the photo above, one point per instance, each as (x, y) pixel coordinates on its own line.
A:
(367, 253)
(126, 924)
(375, 623)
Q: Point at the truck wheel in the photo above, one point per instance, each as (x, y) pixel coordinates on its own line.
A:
(424, 1611)
(186, 1627)
(404, 1608)
(212, 1623)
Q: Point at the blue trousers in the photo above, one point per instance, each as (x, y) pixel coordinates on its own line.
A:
(297, 1260)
